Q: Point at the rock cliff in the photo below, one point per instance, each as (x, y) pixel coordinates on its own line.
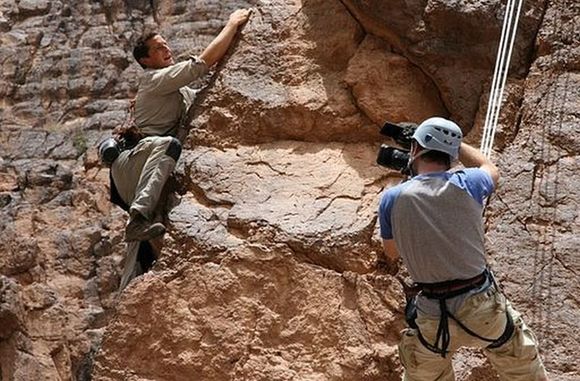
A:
(272, 268)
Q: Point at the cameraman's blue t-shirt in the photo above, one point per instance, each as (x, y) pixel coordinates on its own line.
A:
(436, 222)
(476, 182)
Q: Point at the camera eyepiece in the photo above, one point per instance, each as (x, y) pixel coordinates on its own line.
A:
(401, 133)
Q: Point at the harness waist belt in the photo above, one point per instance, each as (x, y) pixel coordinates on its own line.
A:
(452, 287)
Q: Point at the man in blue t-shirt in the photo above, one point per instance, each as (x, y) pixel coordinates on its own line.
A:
(434, 222)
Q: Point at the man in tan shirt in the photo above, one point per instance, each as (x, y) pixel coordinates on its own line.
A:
(161, 106)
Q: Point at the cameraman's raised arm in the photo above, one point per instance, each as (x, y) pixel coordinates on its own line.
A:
(471, 157)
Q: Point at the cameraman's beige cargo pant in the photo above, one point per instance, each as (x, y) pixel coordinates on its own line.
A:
(140, 175)
(484, 313)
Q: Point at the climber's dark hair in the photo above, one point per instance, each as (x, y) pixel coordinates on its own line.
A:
(141, 50)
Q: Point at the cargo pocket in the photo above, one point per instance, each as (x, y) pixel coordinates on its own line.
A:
(407, 347)
(518, 359)
(525, 342)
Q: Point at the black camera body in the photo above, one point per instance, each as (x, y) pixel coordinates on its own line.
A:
(401, 133)
(393, 158)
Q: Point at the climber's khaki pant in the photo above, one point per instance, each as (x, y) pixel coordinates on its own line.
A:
(483, 313)
(140, 175)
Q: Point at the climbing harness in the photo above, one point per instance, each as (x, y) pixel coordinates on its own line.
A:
(443, 291)
(502, 63)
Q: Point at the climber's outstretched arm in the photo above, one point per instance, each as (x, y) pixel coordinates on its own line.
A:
(219, 46)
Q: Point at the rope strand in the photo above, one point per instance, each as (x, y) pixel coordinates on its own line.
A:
(498, 64)
(505, 50)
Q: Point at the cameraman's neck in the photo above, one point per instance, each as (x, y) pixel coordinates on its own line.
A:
(426, 167)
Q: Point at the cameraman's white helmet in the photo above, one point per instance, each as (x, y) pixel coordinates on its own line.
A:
(439, 134)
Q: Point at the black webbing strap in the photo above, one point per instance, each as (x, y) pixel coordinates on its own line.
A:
(507, 333)
(443, 338)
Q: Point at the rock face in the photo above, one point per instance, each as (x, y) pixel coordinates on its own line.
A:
(256, 313)
(453, 42)
(272, 268)
(539, 200)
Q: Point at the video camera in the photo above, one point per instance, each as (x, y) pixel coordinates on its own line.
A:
(394, 158)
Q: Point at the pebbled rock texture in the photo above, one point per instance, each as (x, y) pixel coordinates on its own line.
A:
(272, 268)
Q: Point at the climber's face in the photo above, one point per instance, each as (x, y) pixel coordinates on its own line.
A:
(160, 54)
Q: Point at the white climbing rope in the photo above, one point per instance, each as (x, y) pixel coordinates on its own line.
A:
(502, 64)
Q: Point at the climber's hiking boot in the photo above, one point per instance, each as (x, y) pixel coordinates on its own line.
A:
(141, 229)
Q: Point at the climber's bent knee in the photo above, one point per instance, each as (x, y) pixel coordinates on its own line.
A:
(174, 149)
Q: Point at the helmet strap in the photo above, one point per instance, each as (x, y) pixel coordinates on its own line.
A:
(412, 158)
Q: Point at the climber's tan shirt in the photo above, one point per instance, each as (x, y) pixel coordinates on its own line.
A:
(163, 97)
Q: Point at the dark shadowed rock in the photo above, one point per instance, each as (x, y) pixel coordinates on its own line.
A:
(454, 43)
(11, 309)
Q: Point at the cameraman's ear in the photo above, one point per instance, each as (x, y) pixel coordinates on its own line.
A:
(414, 148)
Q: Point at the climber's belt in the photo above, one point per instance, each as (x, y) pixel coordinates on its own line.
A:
(450, 289)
